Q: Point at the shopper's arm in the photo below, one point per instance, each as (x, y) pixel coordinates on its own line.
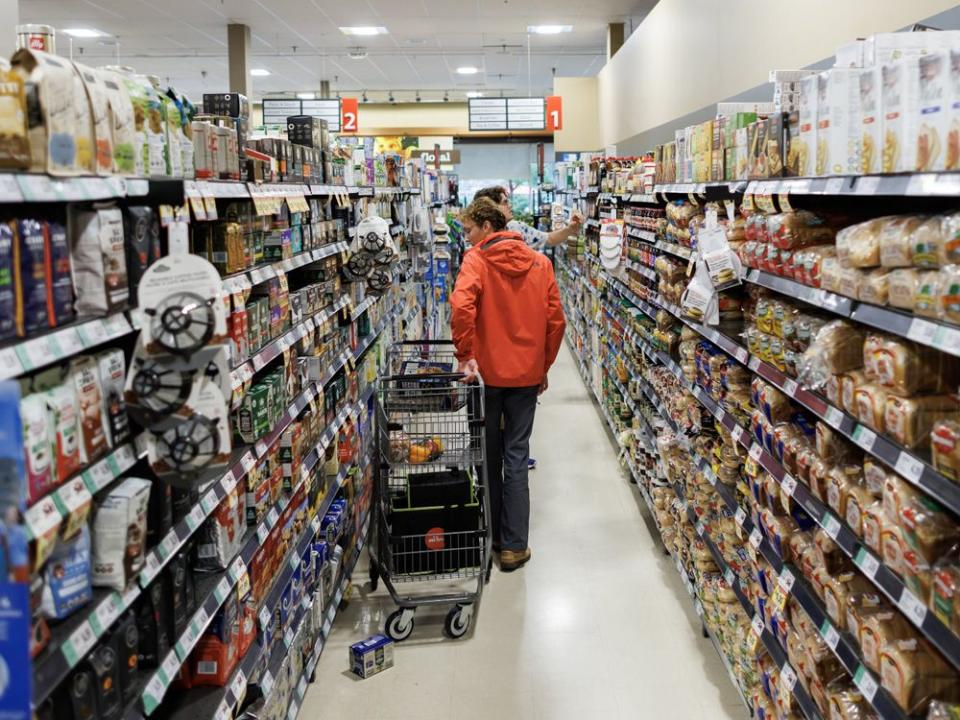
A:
(556, 324)
(571, 230)
(463, 301)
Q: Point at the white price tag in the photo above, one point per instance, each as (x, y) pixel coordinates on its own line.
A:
(788, 678)
(101, 475)
(728, 576)
(834, 186)
(106, 613)
(208, 502)
(265, 617)
(248, 461)
(757, 625)
(81, 641)
(788, 485)
(786, 580)
(909, 466)
(169, 545)
(740, 516)
(922, 331)
(754, 363)
(10, 365)
(288, 638)
(830, 635)
(915, 610)
(69, 342)
(867, 563)
(831, 525)
(195, 518)
(866, 683)
(301, 687)
(239, 685)
(737, 433)
(756, 537)
(273, 516)
(868, 185)
(221, 590)
(864, 437)
(9, 190)
(790, 387)
(39, 352)
(171, 665)
(266, 683)
(756, 450)
(834, 417)
(151, 568)
(224, 711)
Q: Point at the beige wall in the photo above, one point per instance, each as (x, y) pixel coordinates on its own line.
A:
(581, 116)
(687, 54)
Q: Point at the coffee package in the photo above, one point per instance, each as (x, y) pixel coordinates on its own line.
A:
(60, 308)
(67, 576)
(8, 328)
(141, 229)
(14, 148)
(113, 371)
(120, 533)
(30, 278)
(83, 124)
(932, 115)
(98, 261)
(122, 122)
(37, 447)
(98, 100)
(901, 96)
(63, 420)
(85, 377)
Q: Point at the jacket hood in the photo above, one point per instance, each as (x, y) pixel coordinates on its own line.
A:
(507, 253)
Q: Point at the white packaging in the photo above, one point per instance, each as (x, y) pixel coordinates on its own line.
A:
(85, 377)
(850, 55)
(113, 371)
(900, 97)
(933, 113)
(871, 120)
(885, 48)
(952, 149)
(806, 141)
(838, 122)
(123, 124)
(120, 534)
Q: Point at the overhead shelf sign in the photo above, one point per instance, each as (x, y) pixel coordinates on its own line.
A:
(502, 114)
(277, 110)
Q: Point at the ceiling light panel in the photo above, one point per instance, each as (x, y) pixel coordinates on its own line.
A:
(363, 30)
(84, 33)
(549, 29)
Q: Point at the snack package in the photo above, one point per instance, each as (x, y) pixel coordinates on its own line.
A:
(59, 291)
(120, 533)
(98, 102)
(30, 278)
(63, 421)
(85, 377)
(99, 261)
(122, 122)
(14, 148)
(51, 122)
(112, 367)
(67, 577)
(37, 447)
(871, 119)
(932, 119)
(900, 96)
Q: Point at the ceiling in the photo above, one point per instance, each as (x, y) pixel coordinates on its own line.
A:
(184, 42)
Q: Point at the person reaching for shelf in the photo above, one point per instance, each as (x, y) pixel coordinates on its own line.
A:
(507, 325)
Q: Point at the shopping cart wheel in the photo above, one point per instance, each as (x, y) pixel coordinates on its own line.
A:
(400, 624)
(458, 621)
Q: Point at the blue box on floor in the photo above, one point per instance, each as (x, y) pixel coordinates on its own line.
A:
(371, 656)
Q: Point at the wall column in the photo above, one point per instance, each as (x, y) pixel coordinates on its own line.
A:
(238, 55)
(9, 19)
(614, 39)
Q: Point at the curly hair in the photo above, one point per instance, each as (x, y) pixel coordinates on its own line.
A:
(483, 210)
(496, 193)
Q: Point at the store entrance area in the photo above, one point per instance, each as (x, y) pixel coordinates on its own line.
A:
(597, 625)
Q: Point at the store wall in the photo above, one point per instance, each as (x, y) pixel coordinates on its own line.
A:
(494, 161)
(581, 120)
(689, 54)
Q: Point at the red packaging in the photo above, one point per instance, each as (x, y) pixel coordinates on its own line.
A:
(214, 660)
(248, 626)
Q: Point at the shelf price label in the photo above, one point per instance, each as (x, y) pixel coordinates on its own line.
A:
(831, 525)
(922, 331)
(786, 580)
(106, 613)
(266, 683)
(80, 642)
(909, 466)
(867, 563)
(915, 610)
(728, 576)
(866, 683)
(834, 417)
(864, 437)
(756, 450)
(830, 635)
(788, 485)
(756, 537)
(788, 678)
(757, 625)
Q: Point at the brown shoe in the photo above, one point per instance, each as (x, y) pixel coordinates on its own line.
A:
(510, 560)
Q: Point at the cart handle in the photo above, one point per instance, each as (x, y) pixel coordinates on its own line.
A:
(424, 342)
(430, 376)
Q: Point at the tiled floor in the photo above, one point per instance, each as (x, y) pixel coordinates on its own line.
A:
(597, 625)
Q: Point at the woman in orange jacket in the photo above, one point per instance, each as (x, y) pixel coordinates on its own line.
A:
(507, 326)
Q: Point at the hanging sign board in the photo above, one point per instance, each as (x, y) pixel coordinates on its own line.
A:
(349, 115)
(554, 113)
(447, 157)
(277, 110)
(487, 113)
(526, 114)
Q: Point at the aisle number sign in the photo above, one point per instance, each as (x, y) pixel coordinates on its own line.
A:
(505, 114)
(349, 115)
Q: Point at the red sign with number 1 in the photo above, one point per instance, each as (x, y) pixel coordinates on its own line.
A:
(554, 112)
(349, 115)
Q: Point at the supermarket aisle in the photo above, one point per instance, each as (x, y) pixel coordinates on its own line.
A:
(596, 625)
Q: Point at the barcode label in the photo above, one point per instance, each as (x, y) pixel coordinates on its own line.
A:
(864, 437)
(831, 525)
(789, 485)
(756, 537)
(786, 580)
(866, 683)
(912, 607)
(830, 635)
(757, 625)
(909, 466)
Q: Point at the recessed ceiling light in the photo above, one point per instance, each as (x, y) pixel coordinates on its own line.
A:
(84, 32)
(306, 96)
(549, 29)
(259, 72)
(474, 94)
(363, 30)
(467, 70)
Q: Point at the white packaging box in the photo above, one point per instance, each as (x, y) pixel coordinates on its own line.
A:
(778, 77)
(806, 142)
(900, 97)
(838, 126)
(932, 121)
(952, 148)
(885, 48)
(732, 108)
(871, 120)
(850, 55)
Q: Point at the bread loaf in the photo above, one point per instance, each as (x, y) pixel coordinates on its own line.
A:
(874, 287)
(946, 448)
(902, 287)
(892, 547)
(877, 630)
(859, 499)
(927, 528)
(859, 607)
(829, 555)
(846, 703)
(839, 482)
(830, 269)
(858, 246)
(949, 301)
(927, 241)
(917, 575)
(871, 403)
(851, 280)
(872, 346)
(949, 251)
(928, 291)
(914, 673)
(834, 447)
(874, 521)
(910, 421)
(945, 593)
(905, 368)
(896, 248)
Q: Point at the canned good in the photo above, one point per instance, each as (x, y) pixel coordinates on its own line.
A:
(37, 37)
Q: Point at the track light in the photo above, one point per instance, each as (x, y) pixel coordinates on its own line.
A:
(365, 96)
(418, 99)
(446, 96)
(390, 97)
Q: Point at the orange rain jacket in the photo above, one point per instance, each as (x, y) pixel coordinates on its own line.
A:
(507, 312)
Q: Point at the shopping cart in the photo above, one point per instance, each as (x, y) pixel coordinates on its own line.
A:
(432, 505)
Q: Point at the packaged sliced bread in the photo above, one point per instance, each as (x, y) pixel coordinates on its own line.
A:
(910, 421)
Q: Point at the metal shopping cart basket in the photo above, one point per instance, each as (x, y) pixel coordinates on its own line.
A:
(432, 507)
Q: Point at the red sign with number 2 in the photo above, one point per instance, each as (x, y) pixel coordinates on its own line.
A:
(349, 115)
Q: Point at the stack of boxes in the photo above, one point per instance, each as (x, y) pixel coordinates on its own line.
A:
(220, 137)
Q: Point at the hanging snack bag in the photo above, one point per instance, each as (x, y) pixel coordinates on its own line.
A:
(122, 123)
(14, 148)
(63, 420)
(120, 533)
(86, 381)
(99, 261)
(67, 577)
(99, 104)
(37, 447)
(30, 278)
(56, 251)
(113, 371)
(51, 128)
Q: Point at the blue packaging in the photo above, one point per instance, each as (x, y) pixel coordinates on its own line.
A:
(8, 328)
(67, 577)
(15, 677)
(31, 278)
(371, 656)
(60, 290)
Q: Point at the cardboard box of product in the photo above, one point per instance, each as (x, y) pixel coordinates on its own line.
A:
(885, 48)
(838, 122)
(806, 142)
(952, 161)
(933, 113)
(900, 96)
(371, 656)
(850, 55)
(871, 119)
